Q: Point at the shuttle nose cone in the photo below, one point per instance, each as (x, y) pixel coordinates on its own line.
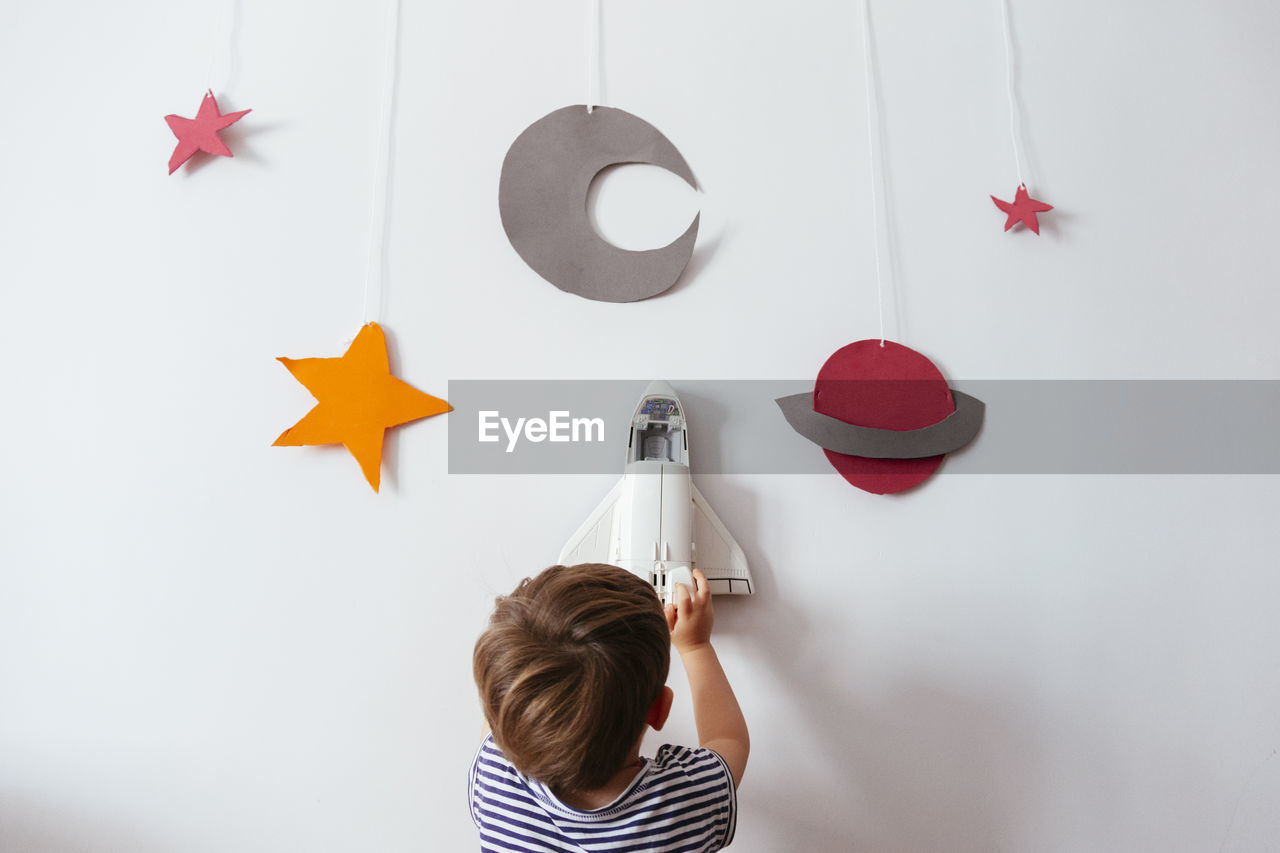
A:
(658, 388)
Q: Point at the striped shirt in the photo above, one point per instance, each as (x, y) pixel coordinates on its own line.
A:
(681, 801)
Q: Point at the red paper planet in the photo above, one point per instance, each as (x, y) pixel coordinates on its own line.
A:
(886, 386)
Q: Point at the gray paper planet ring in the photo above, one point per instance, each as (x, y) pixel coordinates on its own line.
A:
(542, 196)
(947, 435)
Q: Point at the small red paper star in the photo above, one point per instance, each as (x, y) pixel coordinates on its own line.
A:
(200, 133)
(1023, 208)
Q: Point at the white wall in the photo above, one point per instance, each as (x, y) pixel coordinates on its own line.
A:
(209, 644)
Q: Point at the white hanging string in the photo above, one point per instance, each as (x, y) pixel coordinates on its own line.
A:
(224, 32)
(873, 142)
(376, 250)
(593, 54)
(1015, 120)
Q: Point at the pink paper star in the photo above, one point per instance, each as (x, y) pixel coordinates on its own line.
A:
(1023, 208)
(200, 133)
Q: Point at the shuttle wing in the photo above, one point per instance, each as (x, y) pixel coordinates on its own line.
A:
(592, 542)
(715, 551)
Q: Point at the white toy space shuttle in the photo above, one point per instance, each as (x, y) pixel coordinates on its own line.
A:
(654, 522)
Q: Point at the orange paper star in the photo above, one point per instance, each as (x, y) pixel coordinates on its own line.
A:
(358, 400)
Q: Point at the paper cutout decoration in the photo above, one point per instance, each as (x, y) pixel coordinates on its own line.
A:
(952, 432)
(201, 133)
(1023, 208)
(883, 415)
(357, 401)
(542, 196)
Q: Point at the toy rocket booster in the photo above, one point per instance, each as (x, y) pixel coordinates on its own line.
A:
(655, 523)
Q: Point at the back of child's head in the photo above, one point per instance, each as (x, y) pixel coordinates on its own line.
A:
(568, 669)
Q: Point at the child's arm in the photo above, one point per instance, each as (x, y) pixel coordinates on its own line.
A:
(721, 725)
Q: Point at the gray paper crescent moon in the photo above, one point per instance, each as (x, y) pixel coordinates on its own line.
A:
(542, 196)
(951, 433)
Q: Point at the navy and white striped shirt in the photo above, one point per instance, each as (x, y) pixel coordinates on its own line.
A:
(681, 801)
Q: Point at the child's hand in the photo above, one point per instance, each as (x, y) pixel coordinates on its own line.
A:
(691, 617)
(716, 713)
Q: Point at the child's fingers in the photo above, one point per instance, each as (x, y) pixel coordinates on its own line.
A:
(682, 597)
(669, 610)
(700, 581)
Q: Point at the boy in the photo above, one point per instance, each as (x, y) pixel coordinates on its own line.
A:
(571, 670)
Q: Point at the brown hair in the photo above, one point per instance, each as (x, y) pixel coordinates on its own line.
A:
(568, 669)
